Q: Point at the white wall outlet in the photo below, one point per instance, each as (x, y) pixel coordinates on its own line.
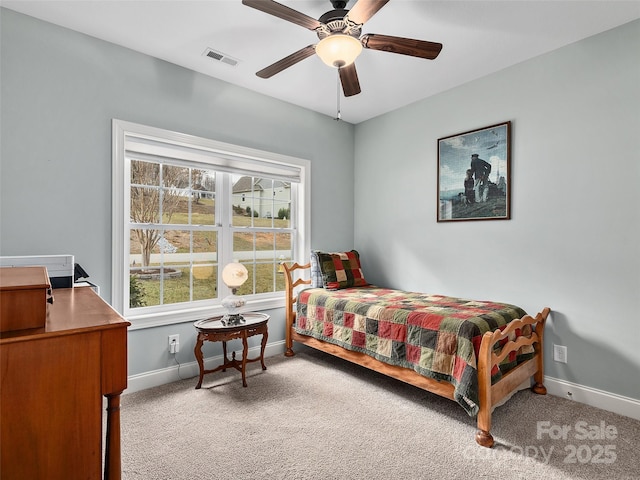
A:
(174, 343)
(560, 353)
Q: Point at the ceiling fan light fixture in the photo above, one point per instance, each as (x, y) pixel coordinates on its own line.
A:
(338, 50)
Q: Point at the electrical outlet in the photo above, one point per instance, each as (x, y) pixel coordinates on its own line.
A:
(560, 353)
(174, 343)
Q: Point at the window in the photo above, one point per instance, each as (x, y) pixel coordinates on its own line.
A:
(184, 207)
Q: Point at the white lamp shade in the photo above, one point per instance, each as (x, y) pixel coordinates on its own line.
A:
(234, 275)
(339, 50)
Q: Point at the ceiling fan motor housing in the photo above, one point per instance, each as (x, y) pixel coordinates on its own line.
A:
(334, 22)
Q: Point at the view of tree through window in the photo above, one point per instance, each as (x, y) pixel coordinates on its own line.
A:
(173, 241)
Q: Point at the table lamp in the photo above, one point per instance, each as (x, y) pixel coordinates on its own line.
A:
(233, 275)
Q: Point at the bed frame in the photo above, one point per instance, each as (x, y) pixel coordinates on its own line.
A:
(489, 395)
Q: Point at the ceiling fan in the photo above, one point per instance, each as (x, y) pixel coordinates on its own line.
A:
(340, 41)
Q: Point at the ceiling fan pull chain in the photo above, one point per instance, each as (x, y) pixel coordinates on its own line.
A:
(338, 115)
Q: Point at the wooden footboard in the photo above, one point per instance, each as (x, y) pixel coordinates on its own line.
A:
(489, 395)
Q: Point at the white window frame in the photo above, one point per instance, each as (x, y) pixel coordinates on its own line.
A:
(262, 162)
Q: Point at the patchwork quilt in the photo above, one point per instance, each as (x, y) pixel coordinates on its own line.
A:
(435, 335)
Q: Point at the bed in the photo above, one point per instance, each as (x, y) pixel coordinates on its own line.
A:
(477, 353)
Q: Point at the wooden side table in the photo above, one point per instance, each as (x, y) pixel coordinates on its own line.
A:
(214, 330)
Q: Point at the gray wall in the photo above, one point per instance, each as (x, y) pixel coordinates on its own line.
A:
(59, 91)
(572, 243)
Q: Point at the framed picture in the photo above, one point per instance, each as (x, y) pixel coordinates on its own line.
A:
(474, 175)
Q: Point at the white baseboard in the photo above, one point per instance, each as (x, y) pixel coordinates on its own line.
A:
(176, 372)
(629, 407)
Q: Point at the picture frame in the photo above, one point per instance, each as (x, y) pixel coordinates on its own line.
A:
(474, 175)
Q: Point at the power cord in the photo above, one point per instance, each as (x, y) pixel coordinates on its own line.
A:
(175, 359)
(173, 349)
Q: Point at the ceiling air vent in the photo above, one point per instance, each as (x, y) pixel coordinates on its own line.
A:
(220, 57)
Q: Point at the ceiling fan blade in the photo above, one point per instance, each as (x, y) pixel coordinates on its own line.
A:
(349, 79)
(363, 10)
(281, 11)
(404, 46)
(286, 62)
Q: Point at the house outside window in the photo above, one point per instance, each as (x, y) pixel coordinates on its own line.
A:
(263, 198)
(184, 207)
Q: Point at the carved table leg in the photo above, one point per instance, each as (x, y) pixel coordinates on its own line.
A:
(198, 352)
(265, 335)
(224, 355)
(113, 454)
(245, 347)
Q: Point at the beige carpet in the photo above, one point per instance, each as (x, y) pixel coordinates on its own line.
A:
(316, 417)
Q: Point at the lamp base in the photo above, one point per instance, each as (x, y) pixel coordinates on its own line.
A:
(231, 319)
(233, 303)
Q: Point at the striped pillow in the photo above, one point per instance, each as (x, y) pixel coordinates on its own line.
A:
(316, 273)
(341, 270)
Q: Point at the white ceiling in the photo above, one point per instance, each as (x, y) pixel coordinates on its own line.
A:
(479, 37)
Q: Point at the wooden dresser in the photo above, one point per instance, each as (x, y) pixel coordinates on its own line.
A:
(52, 383)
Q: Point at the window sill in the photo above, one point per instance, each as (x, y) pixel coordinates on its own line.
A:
(139, 322)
